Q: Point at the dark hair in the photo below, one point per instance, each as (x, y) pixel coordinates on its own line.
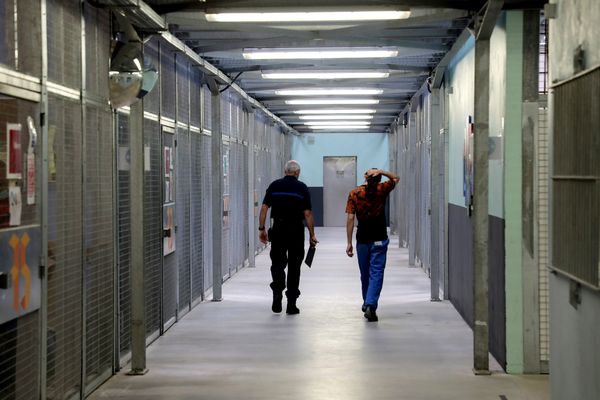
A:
(372, 182)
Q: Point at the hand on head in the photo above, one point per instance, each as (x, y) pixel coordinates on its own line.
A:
(373, 174)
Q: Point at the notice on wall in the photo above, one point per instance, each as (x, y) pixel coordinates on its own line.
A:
(30, 178)
(13, 152)
(15, 205)
(31, 161)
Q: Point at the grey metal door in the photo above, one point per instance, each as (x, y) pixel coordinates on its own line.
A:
(339, 177)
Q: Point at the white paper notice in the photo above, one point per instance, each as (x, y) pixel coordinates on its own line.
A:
(14, 200)
(147, 158)
(30, 178)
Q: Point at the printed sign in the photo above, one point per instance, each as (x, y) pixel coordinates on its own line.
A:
(14, 154)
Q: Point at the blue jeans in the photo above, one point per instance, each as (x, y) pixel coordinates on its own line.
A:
(371, 261)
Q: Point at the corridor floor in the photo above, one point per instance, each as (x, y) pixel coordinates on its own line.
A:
(238, 349)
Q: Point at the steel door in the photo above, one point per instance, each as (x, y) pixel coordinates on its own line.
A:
(339, 178)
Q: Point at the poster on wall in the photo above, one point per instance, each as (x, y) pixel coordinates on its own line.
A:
(31, 161)
(167, 161)
(15, 205)
(20, 249)
(468, 163)
(14, 162)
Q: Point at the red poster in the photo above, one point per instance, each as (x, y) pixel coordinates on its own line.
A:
(15, 161)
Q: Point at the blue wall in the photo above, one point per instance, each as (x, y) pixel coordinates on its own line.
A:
(370, 149)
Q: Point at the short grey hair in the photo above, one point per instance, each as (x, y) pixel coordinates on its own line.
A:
(292, 167)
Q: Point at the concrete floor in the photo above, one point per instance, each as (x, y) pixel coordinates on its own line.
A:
(238, 349)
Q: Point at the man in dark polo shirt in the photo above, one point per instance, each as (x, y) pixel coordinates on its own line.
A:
(367, 203)
(290, 205)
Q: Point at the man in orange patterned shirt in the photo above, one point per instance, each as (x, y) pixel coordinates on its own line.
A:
(367, 204)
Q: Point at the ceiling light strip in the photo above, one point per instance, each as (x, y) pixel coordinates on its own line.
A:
(325, 75)
(314, 102)
(315, 53)
(334, 117)
(333, 111)
(339, 127)
(315, 16)
(328, 92)
(343, 122)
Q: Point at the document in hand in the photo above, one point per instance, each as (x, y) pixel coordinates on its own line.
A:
(310, 254)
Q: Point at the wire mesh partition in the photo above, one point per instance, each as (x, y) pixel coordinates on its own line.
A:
(19, 337)
(206, 184)
(97, 46)
(20, 49)
(183, 150)
(98, 245)
(65, 243)
(197, 191)
(89, 296)
(183, 218)
(206, 109)
(153, 227)
(151, 57)
(123, 233)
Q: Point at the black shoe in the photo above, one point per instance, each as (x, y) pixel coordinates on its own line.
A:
(370, 314)
(291, 307)
(276, 306)
(364, 307)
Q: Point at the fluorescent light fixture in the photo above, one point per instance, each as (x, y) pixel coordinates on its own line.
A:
(327, 92)
(137, 63)
(334, 123)
(315, 16)
(336, 111)
(326, 75)
(340, 127)
(318, 53)
(334, 117)
(314, 102)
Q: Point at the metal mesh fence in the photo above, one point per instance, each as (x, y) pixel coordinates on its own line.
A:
(89, 212)
(19, 48)
(98, 245)
(64, 42)
(206, 179)
(195, 98)
(65, 223)
(123, 233)
(153, 227)
(183, 217)
(170, 271)
(167, 79)
(207, 109)
(151, 57)
(183, 185)
(196, 215)
(97, 46)
(19, 337)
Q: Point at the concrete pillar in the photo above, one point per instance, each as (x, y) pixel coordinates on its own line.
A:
(138, 315)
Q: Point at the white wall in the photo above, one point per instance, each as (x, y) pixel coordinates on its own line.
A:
(371, 150)
(574, 332)
(461, 104)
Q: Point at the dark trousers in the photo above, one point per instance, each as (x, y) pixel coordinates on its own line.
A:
(287, 249)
